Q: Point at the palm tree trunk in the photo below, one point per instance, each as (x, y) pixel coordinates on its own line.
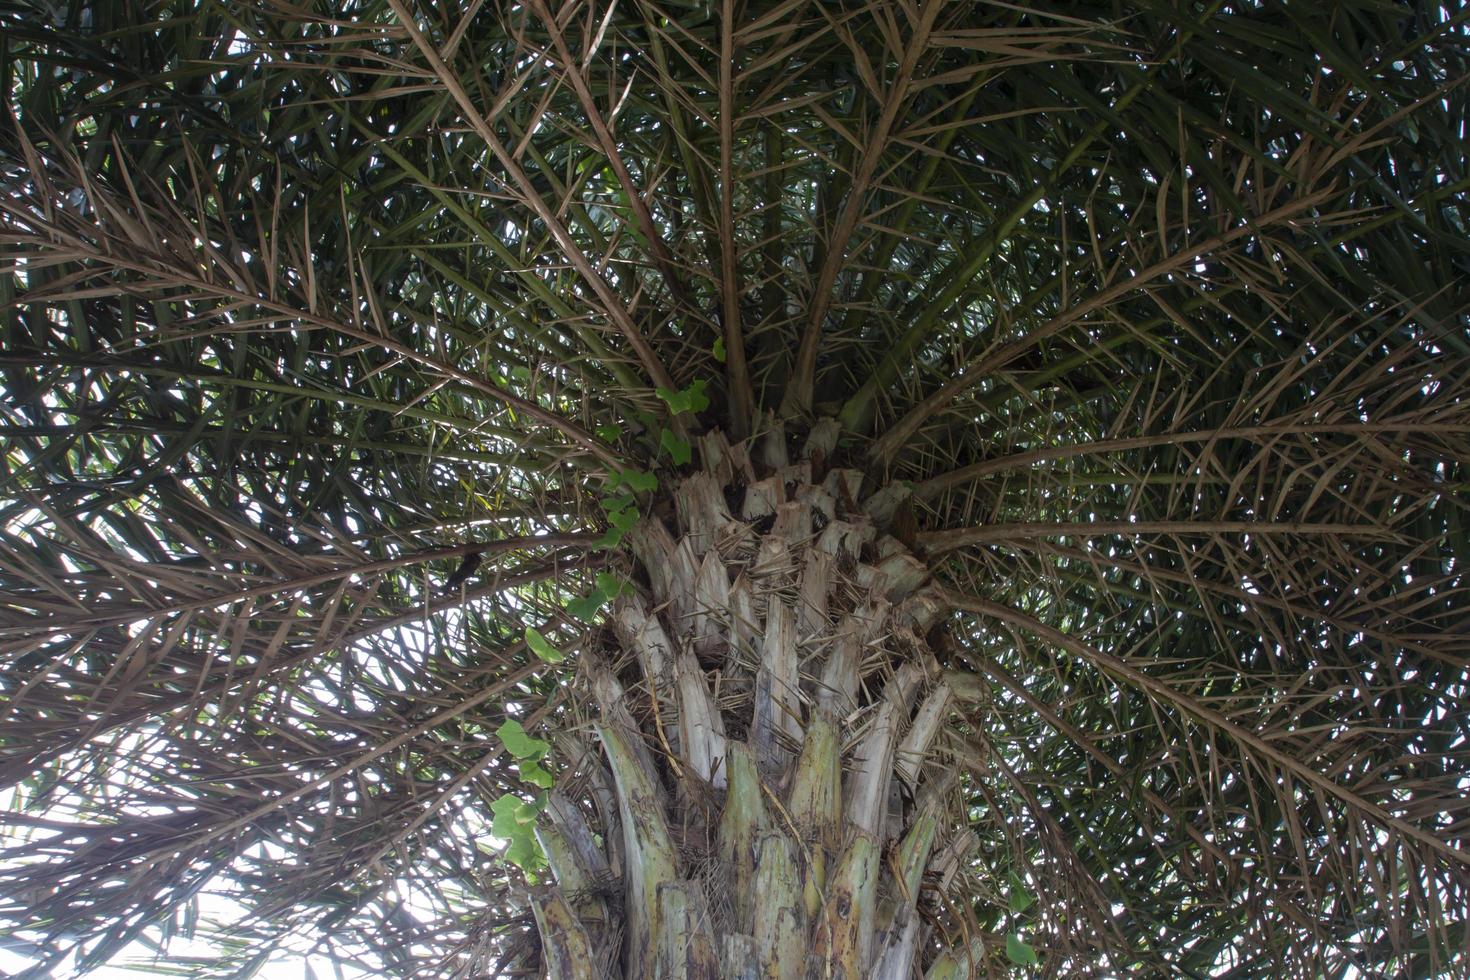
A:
(765, 710)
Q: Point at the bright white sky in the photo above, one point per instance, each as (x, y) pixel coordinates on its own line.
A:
(140, 961)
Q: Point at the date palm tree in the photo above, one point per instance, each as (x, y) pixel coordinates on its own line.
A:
(782, 488)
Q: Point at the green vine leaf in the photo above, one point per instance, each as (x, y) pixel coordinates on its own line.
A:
(620, 502)
(1019, 952)
(691, 399)
(513, 736)
(608, 586)
(515, 821)
(525, 853)
(624, 519)
(611, 586)
(512, 814)
(533, 773)
(1019, 896)
(542, 647)
(634, 479)
(587, 607)
(679, 450)
(622, 514)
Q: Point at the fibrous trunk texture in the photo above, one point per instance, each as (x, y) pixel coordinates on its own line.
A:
(764, 795)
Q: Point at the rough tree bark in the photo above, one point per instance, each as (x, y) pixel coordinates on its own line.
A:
(763, 798)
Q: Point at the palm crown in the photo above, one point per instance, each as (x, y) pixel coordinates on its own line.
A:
(344, 342)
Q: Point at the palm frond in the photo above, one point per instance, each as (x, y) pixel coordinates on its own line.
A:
(335, 334)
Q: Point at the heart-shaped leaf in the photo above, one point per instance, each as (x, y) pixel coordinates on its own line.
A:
(518, 743)
(1019, 898)
(691, 399)
(587, 607)
(542, 647)
(679, 450)
(1019, 952)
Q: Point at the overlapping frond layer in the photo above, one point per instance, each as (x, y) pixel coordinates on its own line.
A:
(344, 341)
